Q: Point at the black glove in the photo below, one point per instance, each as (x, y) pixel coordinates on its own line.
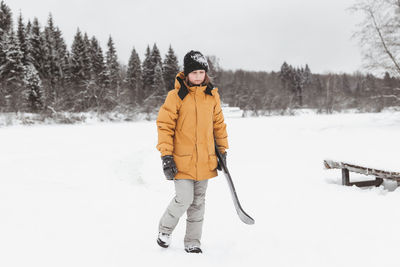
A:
(169, 167)
(219, 167)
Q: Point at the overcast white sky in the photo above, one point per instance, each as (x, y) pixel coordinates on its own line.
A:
(246, 34)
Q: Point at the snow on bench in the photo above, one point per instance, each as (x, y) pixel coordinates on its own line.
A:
(349, 167)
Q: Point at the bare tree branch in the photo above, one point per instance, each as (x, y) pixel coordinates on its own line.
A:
(388, 52)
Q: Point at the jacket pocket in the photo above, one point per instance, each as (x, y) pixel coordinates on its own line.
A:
(212, 162)
(182, 162)
(183, 156)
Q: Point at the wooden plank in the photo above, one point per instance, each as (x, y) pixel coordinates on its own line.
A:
(330, 164)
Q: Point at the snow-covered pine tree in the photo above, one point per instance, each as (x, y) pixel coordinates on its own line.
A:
(28, 31)
(61, 71)
(147, 73)
(55, 65)
(61, 52)
(85, 99)
(170, 69)
(5, 26)
(78, 75)
(33, 89)
(23, 40)
(155, 59)
(113, 75)
(77, 59)
(155, 100)
(51, 73)
(37, 48)
(5, 19)
(87, 61)
(28, 26)
(97, 60)
(11, 72)
(134, 78)
(99, 74)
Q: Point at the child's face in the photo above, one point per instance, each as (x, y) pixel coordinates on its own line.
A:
(197, 76)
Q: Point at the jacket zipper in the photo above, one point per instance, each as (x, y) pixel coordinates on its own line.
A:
(197, 156)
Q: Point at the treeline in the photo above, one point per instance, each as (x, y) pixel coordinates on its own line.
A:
(292, 88)
(38, 73)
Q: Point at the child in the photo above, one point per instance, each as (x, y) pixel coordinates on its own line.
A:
(187, 123)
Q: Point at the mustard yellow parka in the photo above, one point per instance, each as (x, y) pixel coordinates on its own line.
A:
(187, 123)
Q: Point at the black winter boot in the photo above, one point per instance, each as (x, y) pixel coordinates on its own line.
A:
(163, 240)
(193, 249)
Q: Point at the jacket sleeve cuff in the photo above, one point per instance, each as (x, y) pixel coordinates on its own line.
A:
(166, 152)
(221, 149)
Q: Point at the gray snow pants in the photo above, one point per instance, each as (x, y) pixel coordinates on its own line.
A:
(190, 197)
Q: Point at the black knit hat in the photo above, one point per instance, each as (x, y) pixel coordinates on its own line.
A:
(194, 60)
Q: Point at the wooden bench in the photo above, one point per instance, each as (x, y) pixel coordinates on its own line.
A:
(347, 168)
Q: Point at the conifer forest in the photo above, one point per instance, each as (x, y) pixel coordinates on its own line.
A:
(40, 74)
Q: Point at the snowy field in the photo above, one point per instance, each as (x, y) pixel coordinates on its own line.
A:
(92, 195)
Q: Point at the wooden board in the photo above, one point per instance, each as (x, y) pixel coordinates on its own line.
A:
(330, 164)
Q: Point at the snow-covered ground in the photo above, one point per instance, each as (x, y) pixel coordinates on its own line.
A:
(92, 195)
